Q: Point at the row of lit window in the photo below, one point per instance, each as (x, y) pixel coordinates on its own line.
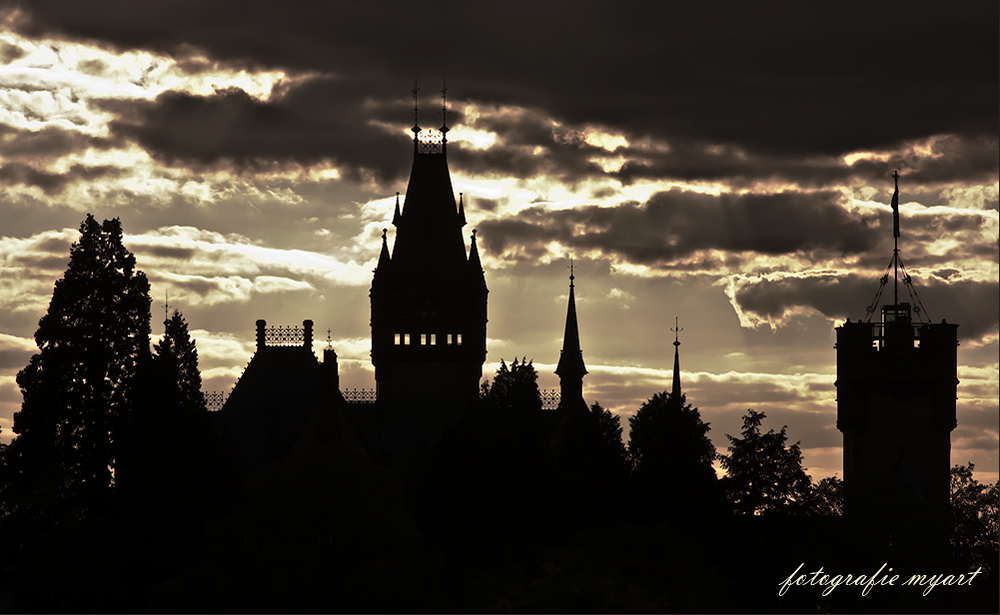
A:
(427, 339)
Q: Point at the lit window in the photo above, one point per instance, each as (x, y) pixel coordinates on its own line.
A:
(406, 339)
(434, 340)
(448, 339)
(458, 339)
(396, 339)
(423, 339)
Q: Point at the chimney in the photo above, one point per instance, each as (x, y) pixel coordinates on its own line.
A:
(307, 334)
(261, 325)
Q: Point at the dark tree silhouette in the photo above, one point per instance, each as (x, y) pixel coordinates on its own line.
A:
(60, 474)
(496, 462)
(826, 498)
(79, 389)
(764, 475)
(514, 388)
(671, 456)
(609, 450)
(590, 464)
(974, 519)
(177, 359)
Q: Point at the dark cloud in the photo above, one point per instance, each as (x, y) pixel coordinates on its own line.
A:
(14, 173)
(48, 143)
(676, 223)
(37, 263)
(9, 53)
(792, 80)
(94, 67)
(952, 159)
(975, 306)
(165, 251)
(200, 287)
(315, 121)
(12, 359)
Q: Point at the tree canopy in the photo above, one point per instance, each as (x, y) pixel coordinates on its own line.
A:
(764, 475)
(671, 456)
(974, 518)
(79, 388)
(514, 388)
(177, 360)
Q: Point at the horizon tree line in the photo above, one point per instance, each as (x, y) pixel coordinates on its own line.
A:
(114, 441)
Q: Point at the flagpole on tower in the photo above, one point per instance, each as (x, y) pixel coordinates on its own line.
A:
(895, 239)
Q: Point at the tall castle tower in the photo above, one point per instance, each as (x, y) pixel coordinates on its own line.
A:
(896, 389)
(429, 297)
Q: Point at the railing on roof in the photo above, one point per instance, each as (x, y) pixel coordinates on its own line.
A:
(550, 398)
(360, 396)
(278, 335)
(214, 400)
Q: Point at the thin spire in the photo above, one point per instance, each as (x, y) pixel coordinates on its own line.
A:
(416, 111)
(676, 389)
(571, 368)
(396, 217)
(461, 209)
(444, 108)
(571, 360)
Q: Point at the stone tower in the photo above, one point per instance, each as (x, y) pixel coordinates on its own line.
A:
(896, 389)
(428, 297)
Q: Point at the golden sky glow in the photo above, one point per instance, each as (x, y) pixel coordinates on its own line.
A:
(294, 238)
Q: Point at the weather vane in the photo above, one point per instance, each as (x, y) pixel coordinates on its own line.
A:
(416, 109)
(166, 306)
(444, 105)
(676, 329)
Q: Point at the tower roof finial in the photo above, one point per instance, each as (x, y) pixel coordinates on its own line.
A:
(416, 110)
(444, 106)
(571, 274)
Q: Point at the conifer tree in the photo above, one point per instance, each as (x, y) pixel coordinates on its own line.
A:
(177, 358)
(764, 475)
(79, 389)
(514, 388)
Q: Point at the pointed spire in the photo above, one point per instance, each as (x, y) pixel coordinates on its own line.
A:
(383, 257)
(474, 263)
(396, 215)
(571, 368)
(461, 209)
(675, 391)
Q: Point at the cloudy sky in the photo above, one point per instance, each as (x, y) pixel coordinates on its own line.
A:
(728, 164)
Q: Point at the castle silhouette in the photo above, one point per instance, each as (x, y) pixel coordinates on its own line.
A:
(428, 325)
(896, 378)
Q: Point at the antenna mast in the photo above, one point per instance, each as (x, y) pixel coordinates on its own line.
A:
(895, 240)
